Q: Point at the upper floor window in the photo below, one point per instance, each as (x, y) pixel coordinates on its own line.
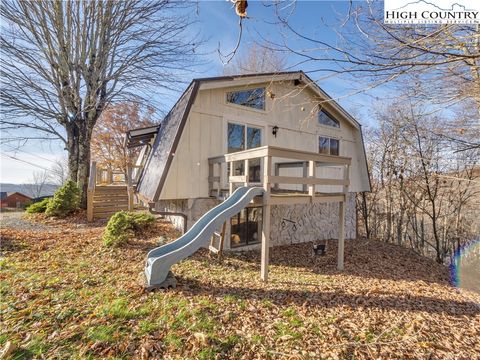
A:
(241, 137)
(328, 146)
(254, 98)
(325, 118)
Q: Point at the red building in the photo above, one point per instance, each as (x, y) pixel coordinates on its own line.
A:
(15, 200)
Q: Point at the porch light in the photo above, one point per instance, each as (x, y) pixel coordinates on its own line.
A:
(275, 130)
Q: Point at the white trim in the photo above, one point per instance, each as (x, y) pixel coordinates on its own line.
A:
(247, 80)
(259, 124)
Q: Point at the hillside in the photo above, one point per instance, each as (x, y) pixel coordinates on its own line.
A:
(66, 295)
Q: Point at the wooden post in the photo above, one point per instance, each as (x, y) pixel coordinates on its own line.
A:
(246, 172)
(92, 180)
(129, 188)
(341, 235)
(341, 221)
(222, 240)
(304, 174)
(109, 176)
(219, 182)
(267, 167)
(311, 174)
(230, 184)
(276, 173)
(89, 205)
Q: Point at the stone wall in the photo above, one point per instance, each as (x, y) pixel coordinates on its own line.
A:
(291, 224)
(193, 208)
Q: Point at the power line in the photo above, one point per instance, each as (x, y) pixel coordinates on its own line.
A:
(27, 162)
(14, 149)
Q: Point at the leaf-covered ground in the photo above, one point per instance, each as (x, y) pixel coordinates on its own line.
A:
(64, 295)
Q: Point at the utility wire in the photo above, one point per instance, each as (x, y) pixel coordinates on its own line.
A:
(14, 149)
(27, 162)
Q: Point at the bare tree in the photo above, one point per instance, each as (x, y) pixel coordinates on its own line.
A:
(58, 173)
(62, 63)
(258, 59)
(423, 189)
(35, 186)
(436, 62)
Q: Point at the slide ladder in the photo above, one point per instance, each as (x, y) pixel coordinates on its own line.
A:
(160, 259)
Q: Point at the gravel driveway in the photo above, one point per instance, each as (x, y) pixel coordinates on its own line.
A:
(14, 220)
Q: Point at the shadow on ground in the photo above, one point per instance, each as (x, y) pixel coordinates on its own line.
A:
(368, 259)
(332, 299)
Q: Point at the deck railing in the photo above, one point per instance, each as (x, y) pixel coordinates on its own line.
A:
(308, 181)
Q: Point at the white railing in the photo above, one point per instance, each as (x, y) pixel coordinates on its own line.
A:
(309, 179)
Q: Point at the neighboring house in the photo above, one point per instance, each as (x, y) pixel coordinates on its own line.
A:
(15, 200)
(294, 140)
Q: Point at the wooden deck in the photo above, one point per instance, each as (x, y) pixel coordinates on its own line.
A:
(274, 195)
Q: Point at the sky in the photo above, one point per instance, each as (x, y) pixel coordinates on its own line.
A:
(218, 25)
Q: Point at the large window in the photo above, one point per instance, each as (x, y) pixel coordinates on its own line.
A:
(254, 98)
(325, 118)
(246, 227)
(328, 146)
(242, 137)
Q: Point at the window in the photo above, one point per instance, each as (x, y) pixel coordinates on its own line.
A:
(328, 146)
(241, 137)
(246, 227)
(325, 118)
(254, 98)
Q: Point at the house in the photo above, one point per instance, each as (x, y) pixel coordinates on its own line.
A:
(221, 116)
(279, 131)
(14, 200)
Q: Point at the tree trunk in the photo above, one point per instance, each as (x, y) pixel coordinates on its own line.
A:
(83, 171)
(78, 148)
(365, 214)
(72, 149)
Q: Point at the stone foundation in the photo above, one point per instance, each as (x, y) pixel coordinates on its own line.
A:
(290, 224)
(193, 208)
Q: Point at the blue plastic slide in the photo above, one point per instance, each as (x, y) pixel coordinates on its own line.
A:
(160, 259)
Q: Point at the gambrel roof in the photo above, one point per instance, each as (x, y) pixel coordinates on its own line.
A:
(166, 142)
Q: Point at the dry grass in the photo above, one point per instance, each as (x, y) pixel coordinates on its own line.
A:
(64, 295)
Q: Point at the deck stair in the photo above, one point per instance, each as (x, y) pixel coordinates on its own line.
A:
(109, 199)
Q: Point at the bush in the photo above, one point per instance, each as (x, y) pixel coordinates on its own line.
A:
(38, 207)
(123, 226)
(142, 221)
(65, 200)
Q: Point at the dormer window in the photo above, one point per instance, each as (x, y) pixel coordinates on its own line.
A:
(254, 98)
(325, 118)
